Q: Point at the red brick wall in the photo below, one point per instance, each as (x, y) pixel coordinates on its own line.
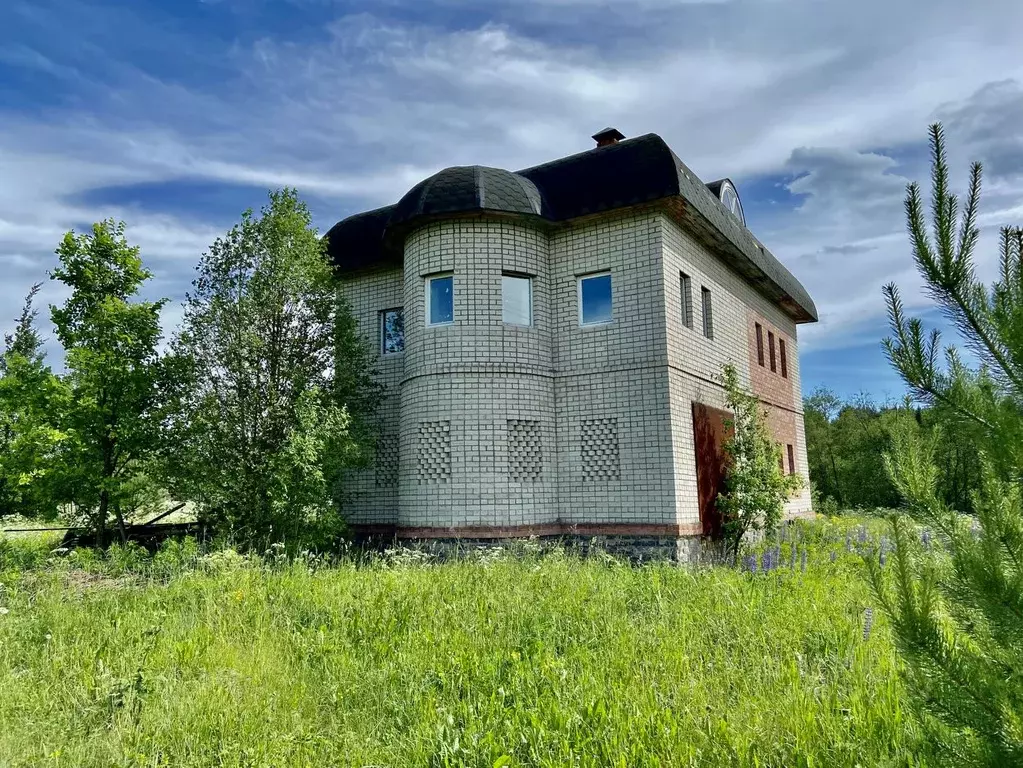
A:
(773, 389)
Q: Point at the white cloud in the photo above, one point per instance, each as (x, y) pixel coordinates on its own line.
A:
(835, 97)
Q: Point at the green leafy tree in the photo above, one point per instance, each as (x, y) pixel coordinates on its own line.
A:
(117, 383)
(957, 609)
(846, 443)
(756, 486)
(31, 399)
(281, 395)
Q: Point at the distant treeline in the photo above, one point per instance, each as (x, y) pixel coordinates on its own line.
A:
(846, 442)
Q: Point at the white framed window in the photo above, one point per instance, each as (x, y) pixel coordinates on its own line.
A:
(595, 298)
(392, 331)
(440, 299)
(516, 299)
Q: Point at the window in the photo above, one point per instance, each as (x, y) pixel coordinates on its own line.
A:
(392, 331)
(440, 300)
(517, 299)
(770, 348)
(687, 299)
(708, 316)
(760, 345)
(595, 299)
(792, 460)
(730, 199)
(784, 358)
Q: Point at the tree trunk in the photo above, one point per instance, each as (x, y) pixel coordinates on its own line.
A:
(101, 519)
(120, 523)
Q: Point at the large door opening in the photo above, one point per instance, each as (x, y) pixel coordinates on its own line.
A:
(709, 435)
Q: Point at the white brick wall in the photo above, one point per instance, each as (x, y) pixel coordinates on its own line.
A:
(610, 404)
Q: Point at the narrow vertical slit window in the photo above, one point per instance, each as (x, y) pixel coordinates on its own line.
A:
(792, 460)
(686, 286)
(784, 358)
(770, 350)
(708, 313)
(760, 345)
(392, 331)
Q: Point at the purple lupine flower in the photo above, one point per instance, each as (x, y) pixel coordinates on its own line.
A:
(777, 555)
(749, 563)
(883, 557)
(848, 543)
(766, 563)
(802, 560)
(863, 534)
(868, 623)
(925, 538)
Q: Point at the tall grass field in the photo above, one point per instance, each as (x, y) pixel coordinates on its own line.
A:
(503, 659)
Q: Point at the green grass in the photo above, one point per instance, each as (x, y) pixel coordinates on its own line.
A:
(514, 660)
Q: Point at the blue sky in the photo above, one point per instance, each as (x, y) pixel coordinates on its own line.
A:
(177, 116)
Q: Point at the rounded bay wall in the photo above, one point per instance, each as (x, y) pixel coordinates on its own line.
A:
(477, 396)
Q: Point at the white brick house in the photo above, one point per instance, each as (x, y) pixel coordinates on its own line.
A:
(550, 342)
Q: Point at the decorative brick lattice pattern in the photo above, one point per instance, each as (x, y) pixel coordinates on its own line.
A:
(387, 461)
(434, 452)
(525, 455)
(599, 443)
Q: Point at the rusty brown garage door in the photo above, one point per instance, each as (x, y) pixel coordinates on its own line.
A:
(709, 434)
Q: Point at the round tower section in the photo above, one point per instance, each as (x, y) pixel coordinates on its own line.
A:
(477, 397)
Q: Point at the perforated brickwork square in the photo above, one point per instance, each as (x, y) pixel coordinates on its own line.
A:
(434, 452)
(525, 455)
(386, 464)
(598, 441)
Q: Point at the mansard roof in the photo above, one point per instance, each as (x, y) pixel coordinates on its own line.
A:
(603, 179)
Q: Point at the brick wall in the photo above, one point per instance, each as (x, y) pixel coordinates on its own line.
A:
(498, 427)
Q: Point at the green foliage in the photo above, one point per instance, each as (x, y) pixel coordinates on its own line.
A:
(31, 400)
(116, 381)
(957, 609)
(756, 487)
(280, 400)
(846, 443)
(227, 660)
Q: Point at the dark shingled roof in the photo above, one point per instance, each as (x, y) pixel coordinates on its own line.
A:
(630, 172)
(468, 188)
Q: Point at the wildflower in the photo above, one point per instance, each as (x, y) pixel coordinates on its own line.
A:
(4, 611)
(766, 563)
(777, 555)
(834, 555)
(883, 558)
(925, 538)
(868, 623)
(749, 563)
(802, 562)
(862, 535)
(848, 543)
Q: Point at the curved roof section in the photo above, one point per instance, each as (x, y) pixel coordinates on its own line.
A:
(630, 172)
(468, 188)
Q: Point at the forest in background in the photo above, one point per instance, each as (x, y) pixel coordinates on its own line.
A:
(846, 441)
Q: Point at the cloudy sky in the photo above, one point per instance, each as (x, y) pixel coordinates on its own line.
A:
(177, 116)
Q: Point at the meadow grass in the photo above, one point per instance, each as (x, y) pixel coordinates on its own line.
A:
(501, 660)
